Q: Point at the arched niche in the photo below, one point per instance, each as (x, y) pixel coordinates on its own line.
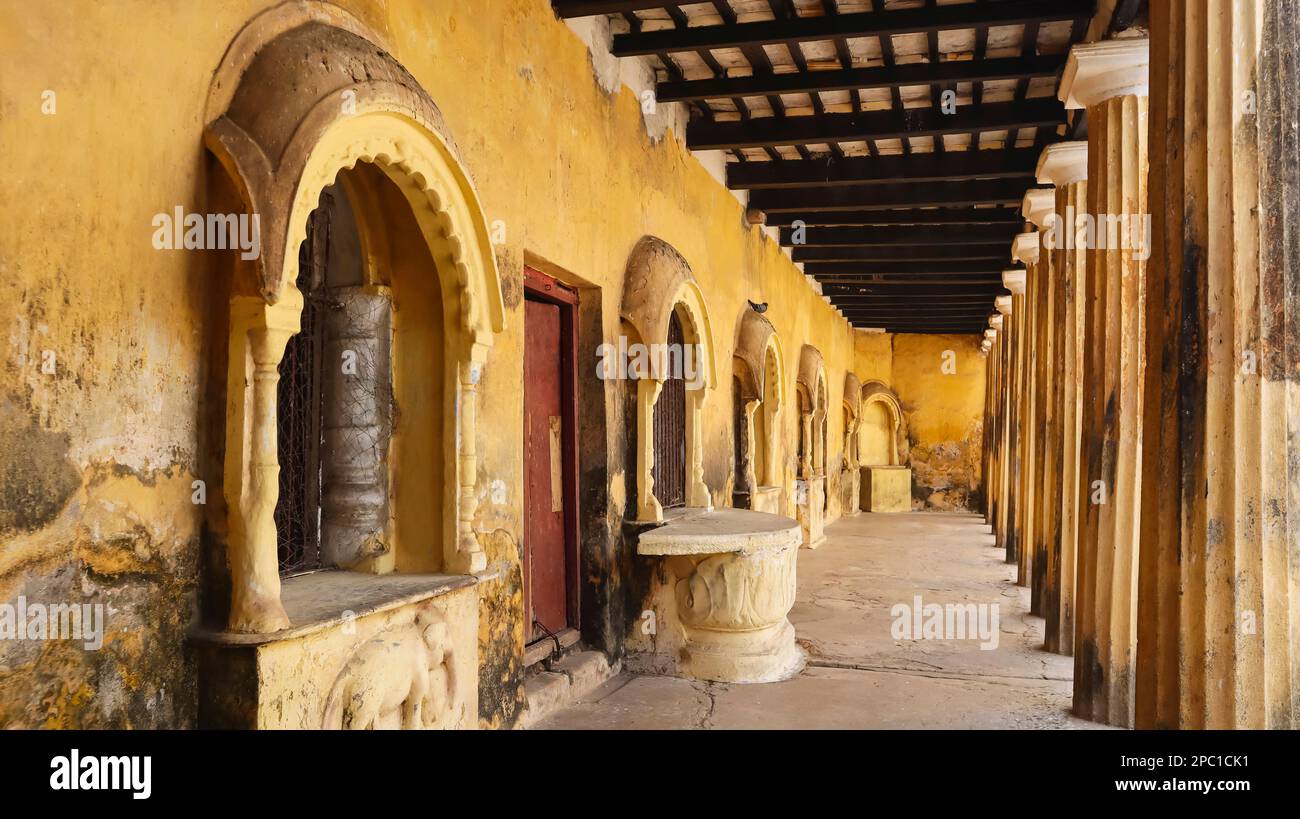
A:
(852, 406)
(882, 436)
(659, 286)
(811, 387)
(304, 99)
(760, 376)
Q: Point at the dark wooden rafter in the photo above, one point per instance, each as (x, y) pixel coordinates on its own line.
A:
(884, 236)
(912, 238)
(860, 24)
(847, 127)
(930, 216)
(842, 79)
(891, 196)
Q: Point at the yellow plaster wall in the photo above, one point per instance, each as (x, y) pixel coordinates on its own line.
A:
(105, 449)
(945, 416)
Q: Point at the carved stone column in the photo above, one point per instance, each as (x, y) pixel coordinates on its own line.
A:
(648, 507)
(1065, 165)
(1110, 79)
(258, 334)
(469, 556)
(1219, 629)
(357, 425)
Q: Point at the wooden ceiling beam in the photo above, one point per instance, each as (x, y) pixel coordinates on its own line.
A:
(855, 127)
(891, 196)
(954, 166)
(880, 236)
(830, 27)
(898, 76)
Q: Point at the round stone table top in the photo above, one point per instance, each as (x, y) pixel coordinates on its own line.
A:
(720, 531)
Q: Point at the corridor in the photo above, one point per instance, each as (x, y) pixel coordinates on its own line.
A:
(858, 675)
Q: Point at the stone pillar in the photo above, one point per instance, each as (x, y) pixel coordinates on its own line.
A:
(1025, 249)
(1037, 208)
(469, 556)
(1065, 165)
(1219, 619)
(1109, 78)
(1014, 280)
(648, 507)
(258, 333)
(1002, 397)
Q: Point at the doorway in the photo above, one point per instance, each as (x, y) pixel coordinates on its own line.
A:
(550, 458)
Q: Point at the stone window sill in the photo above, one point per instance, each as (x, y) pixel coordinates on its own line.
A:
(322, 600)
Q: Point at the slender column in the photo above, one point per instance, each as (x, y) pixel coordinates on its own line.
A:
(1065, 165)
(258, 334)
(1109, 79)
(1038, 208)
(1002, 397)
(648, 507)
(1015, 281)
(1219, 611)
(469, 556)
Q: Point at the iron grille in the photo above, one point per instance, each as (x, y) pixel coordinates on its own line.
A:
(297, 512)
(670, 429)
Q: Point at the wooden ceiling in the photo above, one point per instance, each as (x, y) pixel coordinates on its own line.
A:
(896, 138)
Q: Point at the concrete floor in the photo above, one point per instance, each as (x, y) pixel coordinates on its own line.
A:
(858, 675)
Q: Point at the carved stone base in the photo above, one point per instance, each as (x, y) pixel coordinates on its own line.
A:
(886, 489)
(767, 499)
(767, 655)
(810, 507)
(729, 584)
(364, 652)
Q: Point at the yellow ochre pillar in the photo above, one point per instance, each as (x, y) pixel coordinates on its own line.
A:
(1065, 165)
(1109, 78)
(1219, 612)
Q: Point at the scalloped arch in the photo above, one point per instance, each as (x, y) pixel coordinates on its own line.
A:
(292, 122)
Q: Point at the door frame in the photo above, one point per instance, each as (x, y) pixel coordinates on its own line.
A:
(540, 287)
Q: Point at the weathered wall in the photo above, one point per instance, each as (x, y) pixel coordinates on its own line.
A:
(100, 454)
(945, 416)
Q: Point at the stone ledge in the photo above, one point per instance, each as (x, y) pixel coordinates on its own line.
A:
(721, 531)
(320, 601)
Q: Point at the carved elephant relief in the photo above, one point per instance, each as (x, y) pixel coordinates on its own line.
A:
(404, 677)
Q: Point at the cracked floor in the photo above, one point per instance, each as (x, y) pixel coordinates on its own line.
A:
(858, 675)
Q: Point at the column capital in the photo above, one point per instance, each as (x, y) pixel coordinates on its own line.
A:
(1038, 205)
(995, 321)
(1003, 303)
(990, 334)
(1063, 163)
(1096, 72)
(1025, 247)
(1014, 280)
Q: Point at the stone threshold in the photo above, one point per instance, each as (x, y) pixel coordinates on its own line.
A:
(323, 600)
(571, 678)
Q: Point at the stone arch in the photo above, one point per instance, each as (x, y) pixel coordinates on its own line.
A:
(878, 394)
(760, 370)
(658, 283)
(811, 385)
(852, 407)
(286, 115)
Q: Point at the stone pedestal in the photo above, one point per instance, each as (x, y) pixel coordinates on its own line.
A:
(730, 582)
(810, 507)
(767, 499)
(886, 489)
(365, 652)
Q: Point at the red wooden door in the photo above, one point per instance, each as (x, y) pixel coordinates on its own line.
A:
(546, 592)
